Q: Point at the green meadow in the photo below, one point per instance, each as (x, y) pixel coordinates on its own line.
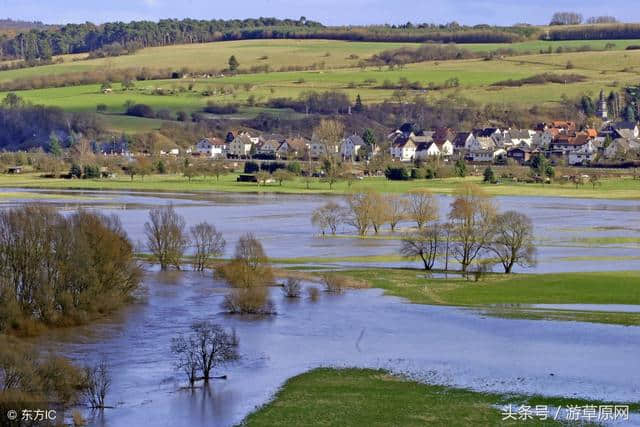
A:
(618, 188)
(358, 397)
(607, 70)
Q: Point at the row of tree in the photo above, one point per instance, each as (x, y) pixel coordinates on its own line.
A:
(474, 226)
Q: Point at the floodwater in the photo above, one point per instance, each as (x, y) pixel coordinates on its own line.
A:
(565, 228)
(362, 328)
(359, 328)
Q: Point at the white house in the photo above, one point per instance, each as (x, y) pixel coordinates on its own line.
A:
(318, 149)
(620, 147)
(446, 148)
(404, 150)
(583, 155)
(350, 147)
(541, 139)
(211, 147)
(516, 137)
(427, 149)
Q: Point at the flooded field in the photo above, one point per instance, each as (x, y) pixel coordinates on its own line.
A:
(362, 328)
(572, 234)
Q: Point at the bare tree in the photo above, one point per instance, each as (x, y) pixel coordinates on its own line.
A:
(359, 212)
(422, 207)
(513, 240)
(166, 238)
(328, 217)
(566, 18)
(292, 288)
(97, 384)
(396, 210)
(379, 213)
(425, 244)
(206, 347)
(471, 216)
(328, 134)
(208, 243)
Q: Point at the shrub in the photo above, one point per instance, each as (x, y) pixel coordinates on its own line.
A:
(418, 173)
(140, 110)
(396, 173)
(314, 294)
(292, 288)
(294, 168)
(334, 284)
(251, 167)
(213, 108)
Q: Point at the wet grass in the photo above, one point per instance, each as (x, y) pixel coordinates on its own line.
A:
(364, 397)
(622, 188)
(562, 288)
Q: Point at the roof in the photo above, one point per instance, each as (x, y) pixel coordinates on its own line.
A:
(443, 134)
(355, 139)
(461, 139)
(485, 133)
(519, 134)
(425, 146)
(407, 128)
(624, 125)
(214, 141)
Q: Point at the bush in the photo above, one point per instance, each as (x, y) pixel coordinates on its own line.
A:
(334, 284)
(418, 173)
(140, 110)
(292, 288)
(396, 173)
(294, 168)
(213, 108)
(91, 172)
(314, 294)
(251, 167)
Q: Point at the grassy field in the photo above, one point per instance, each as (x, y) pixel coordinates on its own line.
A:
(603, 70)
(622, 188)
(497, 289)
(358, 397)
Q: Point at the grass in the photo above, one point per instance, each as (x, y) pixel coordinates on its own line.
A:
(356, 397)
(562, 288)
(602, 69)
(620, 188)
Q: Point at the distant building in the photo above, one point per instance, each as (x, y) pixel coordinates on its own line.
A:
(211, 147)
(602, 110)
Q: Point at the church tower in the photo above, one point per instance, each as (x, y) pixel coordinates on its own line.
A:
(602, 107)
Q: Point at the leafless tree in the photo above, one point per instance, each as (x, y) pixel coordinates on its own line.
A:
(292, 288)
(512, 242)
(425, 244)
(472, 214)
(208, 243)
(97, 384)
(328, 217)
(360, 209)
(379, 210)
(166, 238)
(422, 207)
(396, 210)
(205, 348)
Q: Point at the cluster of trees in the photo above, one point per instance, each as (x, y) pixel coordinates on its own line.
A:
(87, 37)
(594, 32)
(24, 126)
(474, 227)
(309, 102)
(61, 269)
(248, 272)
(543, 78)
(371, 210)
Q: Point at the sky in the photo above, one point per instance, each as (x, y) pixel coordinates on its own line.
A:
(329, 12)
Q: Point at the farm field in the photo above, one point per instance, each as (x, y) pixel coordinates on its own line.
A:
(606, 70)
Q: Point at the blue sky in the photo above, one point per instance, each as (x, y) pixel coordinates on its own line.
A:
(326, 11)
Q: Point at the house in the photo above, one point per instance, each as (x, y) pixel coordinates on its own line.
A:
(211, 147)
(462, 141)
(294, 148)
(404, 149)
(541, 139)
(114, 148)
(495, 134)
(424, 150)
(350, 147)
(584, 155)
(170, 152)
(241, 145)
(482, 149)
(619, 148)
(564, 144)
(269, 144)
(517, 137)
(318, 148)
(520, 154)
